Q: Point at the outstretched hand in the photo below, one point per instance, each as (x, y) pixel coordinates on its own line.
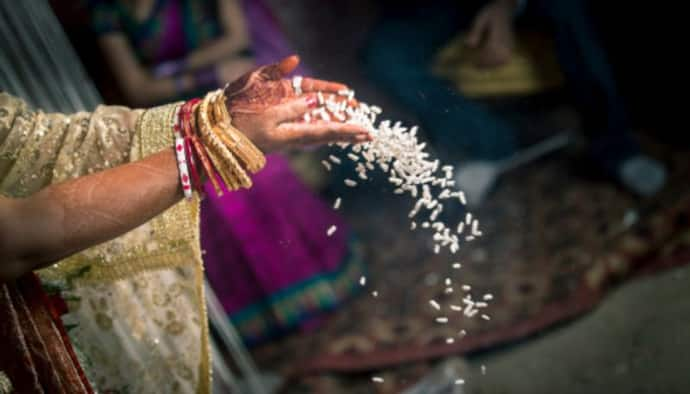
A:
(264, 105)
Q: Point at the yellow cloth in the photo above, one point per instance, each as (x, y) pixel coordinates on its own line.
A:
(533, 68)
(137, 300)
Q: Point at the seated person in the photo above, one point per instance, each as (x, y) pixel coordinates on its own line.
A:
(410, 33)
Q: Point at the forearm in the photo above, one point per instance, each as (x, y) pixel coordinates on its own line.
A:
(234, 40)
(65, 218)
(148, 90)
(216, 51)
(139, 85)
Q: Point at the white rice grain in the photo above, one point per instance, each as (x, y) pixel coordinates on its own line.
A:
(461, 196)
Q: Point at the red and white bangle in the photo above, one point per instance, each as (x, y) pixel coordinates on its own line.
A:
(181, 154)
(187, 125)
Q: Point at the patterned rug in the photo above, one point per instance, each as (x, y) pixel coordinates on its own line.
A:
(555, 242)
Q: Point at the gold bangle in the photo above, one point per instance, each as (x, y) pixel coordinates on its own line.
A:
(224, 145)
(253, 159)
(231, 171)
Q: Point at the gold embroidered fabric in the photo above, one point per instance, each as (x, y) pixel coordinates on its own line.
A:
(137, 301)
(5, 384)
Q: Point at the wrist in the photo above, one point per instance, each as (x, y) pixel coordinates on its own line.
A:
(206, 77)
(169, 68)
(183, 83)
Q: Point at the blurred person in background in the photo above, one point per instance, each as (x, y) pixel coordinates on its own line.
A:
(410, 33)
(271, 265)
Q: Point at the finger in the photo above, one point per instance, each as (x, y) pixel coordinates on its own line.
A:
(353, 103)
(301, 134)
(281, 69)
(337, 99)
(318, 85)
(474, 37)
(292, 109)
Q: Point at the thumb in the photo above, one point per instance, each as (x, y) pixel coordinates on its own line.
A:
(293, 109)
(281, 69)
(474, 36)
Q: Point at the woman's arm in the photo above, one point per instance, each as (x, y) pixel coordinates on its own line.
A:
(67, 217)
(234, 39)
(140, 87)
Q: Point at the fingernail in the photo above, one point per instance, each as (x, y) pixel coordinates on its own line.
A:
(311, 101)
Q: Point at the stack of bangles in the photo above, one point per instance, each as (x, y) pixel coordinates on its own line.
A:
(208, 146)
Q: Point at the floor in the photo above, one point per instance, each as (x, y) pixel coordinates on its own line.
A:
(635, 342)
